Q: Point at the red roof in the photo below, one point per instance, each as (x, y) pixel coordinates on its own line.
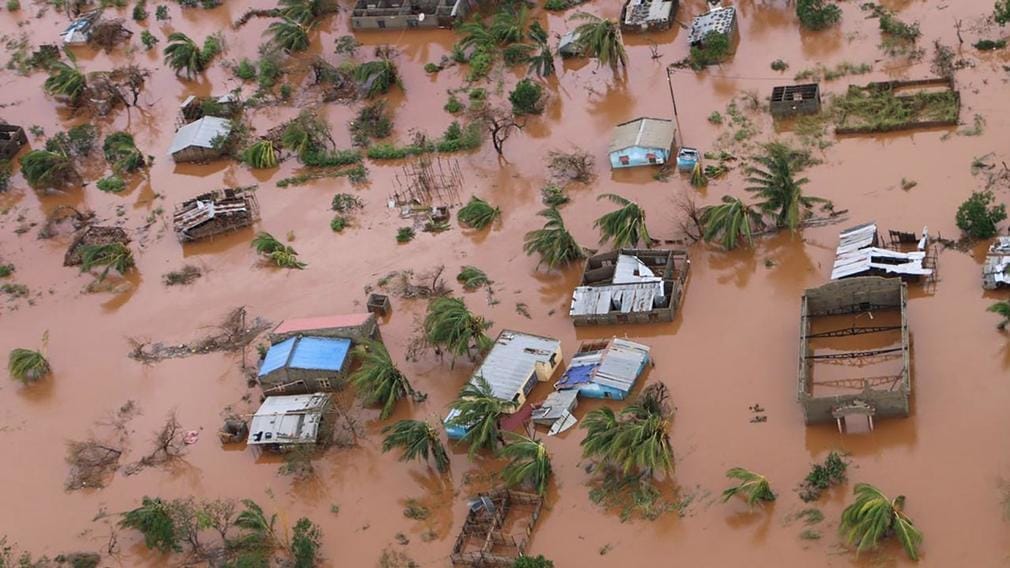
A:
(321, 322)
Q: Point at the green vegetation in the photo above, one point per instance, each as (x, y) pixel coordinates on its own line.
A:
(377, 76)
(715, 117)
(260, 155)
(279, 254)
(140, 11)
(1001, 12)
(44, 169)
(450, 326)
(183, 55)
(890, 26)
(840, 70)
(154, 520)
(148, 39)
(245, 70)
(868, 109)
(534, 561)
(601, 39)
(526, 97)
(715, 48)
(989, 44)
(66, 80)
(978, 215)
(417, 440)
(541, 61)
(773, 180)
(1001, 309)
(553, 195)
(6, 270)
(26, 365)
(432, 67)
(823, 476)
(477, 213)
(873, 517)
(182, 277)
(625, 227)
(637, 439)
(558, 5)
(113, 256)
(13, 5)
(288, 35)
(111, 184)
(122, 154)
(338, 223)
(453, 106)
(817, 14)
(377, 379)
(305, 543)
(161, 13)
(472, 278)
(405, 235)
(344, 202)
(479, 410)
(754, 488)
(555, 245)
(529, 463)
(729, 223)
(779, 65)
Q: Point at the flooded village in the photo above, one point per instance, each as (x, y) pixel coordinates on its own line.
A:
(469, 283)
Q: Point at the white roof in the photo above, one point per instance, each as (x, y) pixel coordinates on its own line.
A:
(633, 288)
(996, 270)
(288, 419)
(858, 253)
(618, 365)
(513, 359)
(200, 133)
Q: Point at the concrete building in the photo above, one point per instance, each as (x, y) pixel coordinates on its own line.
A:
(794, 100)
(409, 14)
(285, 421)
(646, 15)
(720, 21)
(996, 269)
(605, 369)
(642, 142)
(200, 140)
(305, 364)
(630, 286)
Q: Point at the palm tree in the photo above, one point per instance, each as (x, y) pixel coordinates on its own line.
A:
(1002, 309)
(113, 256)
(450, 325)
(729, 223)
(305, 12)
(377, 379)
(529, 462)
(265, 243)
(601, 39)
(418, 441)
(872, 517)
(183, 54)
(289, 35)
(774, 181)
(509, 25)
(121, 152)
(259, 527)
(260, 155)
(27, 365)
(67, 80)
(635, 440)
(45, 169)
(625, 226)
(154, 520)
(753, 488)
(377, 77)
(472, 278)
(476, 35)
(543, 62)
(554, 243)
(478, 410)
(478, 213)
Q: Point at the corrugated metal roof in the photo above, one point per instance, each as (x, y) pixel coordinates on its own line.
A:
(288, 419)
(311, 353)
(858, 253)
(643, 133)
(513, 359)
(323, 322)
(625, 298)
(555, 406)
(996, 270)
(200, 133)
(617, 366)
(720, 20)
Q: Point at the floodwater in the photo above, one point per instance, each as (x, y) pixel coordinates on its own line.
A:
(733, 345)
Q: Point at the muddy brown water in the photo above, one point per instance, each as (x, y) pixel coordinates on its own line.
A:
(733, 344)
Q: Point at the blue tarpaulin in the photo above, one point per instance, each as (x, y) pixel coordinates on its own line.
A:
(576, 376)
(311, 353)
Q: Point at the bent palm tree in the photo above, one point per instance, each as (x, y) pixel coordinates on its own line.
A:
(418, 441)
(729, 222)
(774, 181)
(872, 517)
(66, 80)
(27, 365)
(260, 155)
(183, 54)
(635, 440)
(478, 410)
(450, 325)
(543, 62)
(554, 244)
(45, 169)
(601, 39)
(476, 35)
(154, 520)
(265, 243)
(625, 226)
(1001, 309)
(377, 77)
(509, 25)
(478, 213)
(753, 488)
(113, 256)
(305, 12)
(529, 462)
(121, 152)
(377, 379)
(289, 35)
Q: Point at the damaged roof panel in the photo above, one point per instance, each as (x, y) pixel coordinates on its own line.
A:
(859, 253)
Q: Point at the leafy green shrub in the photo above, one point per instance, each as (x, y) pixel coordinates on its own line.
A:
(372, 121)
(13, 5)
(305, 543)
(779, 65)
(432, 68)
(346, 44)
(245, 70)
(535, 561)
(332, 158)
(480, 65)
(453, 106)
(516, 54)
(6, 270)
(261, 155)
(816, 14)
(111, 184)
(553, 195)
(989, 44)
(338, 223)
(526, 97)
(44, 169)
(405, 235)
(154, 520)
(480, 94)
(122, 153)
(140, 11)
(823, 476)
(26, 365)
(557, 5)
(113, 256)
(161, 13)
(978, 217)
(344, 202)
(1001, 12)
(715, 117)
(148, 39)
(715, 47)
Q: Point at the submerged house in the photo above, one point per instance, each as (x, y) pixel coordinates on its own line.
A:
(568, 45)
(516, 363)
(195, 108)
(641, 142)
(79, 30)
(630, 286)
(285, 421)
(356, 327)
(605, 369)
(408, 14)
(200, 140)
(854, 360)
(497, 529)
(305, 364)
(12, 139)
(644, 15)
(721, 21)
(996, 269)
(213, 213)
(793, 100)
(860, 253)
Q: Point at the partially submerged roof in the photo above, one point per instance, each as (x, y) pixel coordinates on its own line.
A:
(288, 419)
(634, 287)
(79, 30)
(645, 12)
(858, 253)
(719, 20)
(308, 353)
(513, 359)
(996, 270)
(200, 133)
(643, 133)
(616, 365)
(296, 325)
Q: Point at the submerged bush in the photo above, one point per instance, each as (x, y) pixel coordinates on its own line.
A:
(526, 97)
(816, 14)
(478, 213)
(26, 365)
(111, 184)
(978, 217)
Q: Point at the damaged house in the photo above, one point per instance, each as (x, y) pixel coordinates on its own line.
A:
(79, 30)
(996, 269)
(719, 20)
(286, 421)
(512, 368)
(213, 213)
(860, 253)
(794, 100)
(854, 352)
(12, 139)
(630, 286)
(497, 529)
(201, 140)
(605, 369)
(409, 14)
(646, 15)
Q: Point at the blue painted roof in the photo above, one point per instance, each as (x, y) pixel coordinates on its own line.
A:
(314, 353)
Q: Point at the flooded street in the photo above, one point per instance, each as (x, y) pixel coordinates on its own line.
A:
(733, 343)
